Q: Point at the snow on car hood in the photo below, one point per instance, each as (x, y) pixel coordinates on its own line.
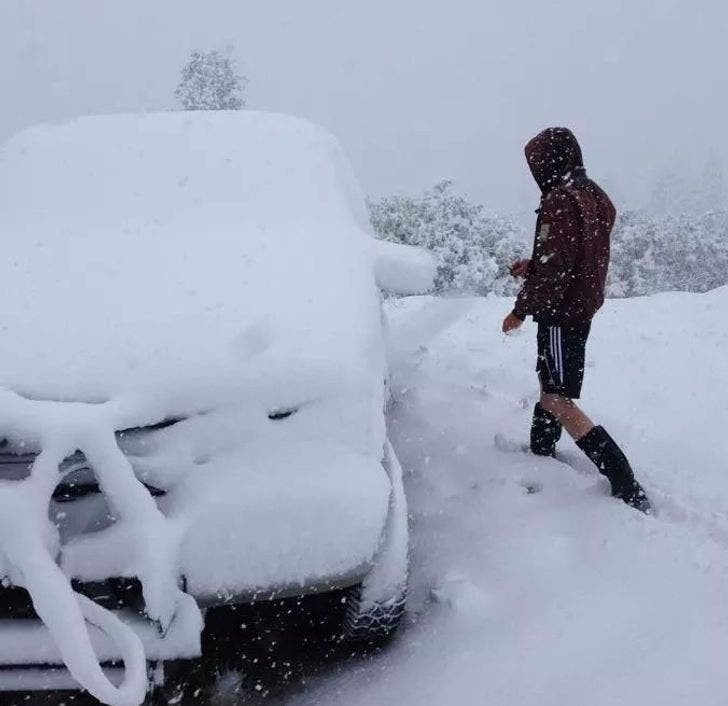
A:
(193, 254)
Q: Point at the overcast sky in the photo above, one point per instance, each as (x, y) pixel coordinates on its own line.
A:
(416, 90)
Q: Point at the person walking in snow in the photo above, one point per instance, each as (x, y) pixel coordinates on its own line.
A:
(563, 289)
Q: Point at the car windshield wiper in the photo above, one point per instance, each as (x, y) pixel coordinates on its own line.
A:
(68, 492)
(170, 421)
(276, 414)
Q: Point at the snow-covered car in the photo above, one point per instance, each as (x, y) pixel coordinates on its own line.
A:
(192, 390)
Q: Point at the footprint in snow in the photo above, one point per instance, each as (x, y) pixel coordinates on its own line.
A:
(461, 595)
(509, 445)
(531, 487)
(253, 340)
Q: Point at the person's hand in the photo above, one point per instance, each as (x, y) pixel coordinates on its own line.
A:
(511, 323)
(519, 268)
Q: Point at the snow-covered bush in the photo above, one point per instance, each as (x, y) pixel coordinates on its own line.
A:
(473, 248)
(209, 82)
(681, 252)
(650, 253)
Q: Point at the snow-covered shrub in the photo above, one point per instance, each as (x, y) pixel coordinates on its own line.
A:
(209, 82)
(473, 248)
(681, 252)
(650, 252)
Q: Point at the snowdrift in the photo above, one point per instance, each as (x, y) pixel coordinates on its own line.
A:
(530, 586)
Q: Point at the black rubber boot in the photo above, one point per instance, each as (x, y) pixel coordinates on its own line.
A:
(611, 462)
(545, 432)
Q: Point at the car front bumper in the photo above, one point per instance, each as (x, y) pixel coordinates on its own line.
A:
(301, 521)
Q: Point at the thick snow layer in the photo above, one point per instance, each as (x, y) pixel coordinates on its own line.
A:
(24, 642)
(215, 266)
(562, 595)
(191, 253)
(260, 518)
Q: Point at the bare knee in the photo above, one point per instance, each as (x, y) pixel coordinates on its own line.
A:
(556, 404)
(576, 423)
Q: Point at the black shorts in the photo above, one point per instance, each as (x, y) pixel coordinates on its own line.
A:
(561, 356)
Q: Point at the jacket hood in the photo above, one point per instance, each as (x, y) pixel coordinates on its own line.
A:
(552, 155)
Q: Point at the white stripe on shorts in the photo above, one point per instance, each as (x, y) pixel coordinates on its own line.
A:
(556, 352)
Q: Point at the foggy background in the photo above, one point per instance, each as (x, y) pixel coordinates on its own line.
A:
(417, 91)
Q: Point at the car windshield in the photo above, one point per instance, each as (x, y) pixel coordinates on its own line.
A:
(207, 256)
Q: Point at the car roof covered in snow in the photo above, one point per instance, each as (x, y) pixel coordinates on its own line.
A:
(196, 254)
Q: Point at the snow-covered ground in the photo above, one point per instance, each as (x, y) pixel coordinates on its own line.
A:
(529, 584)
(561, 596)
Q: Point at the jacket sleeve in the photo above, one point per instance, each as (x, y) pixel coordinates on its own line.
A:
(554, 259)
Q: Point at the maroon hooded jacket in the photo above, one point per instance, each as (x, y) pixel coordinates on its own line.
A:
(565, 281)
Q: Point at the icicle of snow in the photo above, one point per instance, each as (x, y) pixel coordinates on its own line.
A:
(155, 539)
(29, 543)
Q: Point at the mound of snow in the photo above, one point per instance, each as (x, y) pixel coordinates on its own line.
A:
(177, 265)
(195, 253)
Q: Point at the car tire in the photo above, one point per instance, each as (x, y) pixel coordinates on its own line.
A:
(372, 623)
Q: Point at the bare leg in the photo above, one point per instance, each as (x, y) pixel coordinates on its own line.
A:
(576, 423)
(601, 449)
